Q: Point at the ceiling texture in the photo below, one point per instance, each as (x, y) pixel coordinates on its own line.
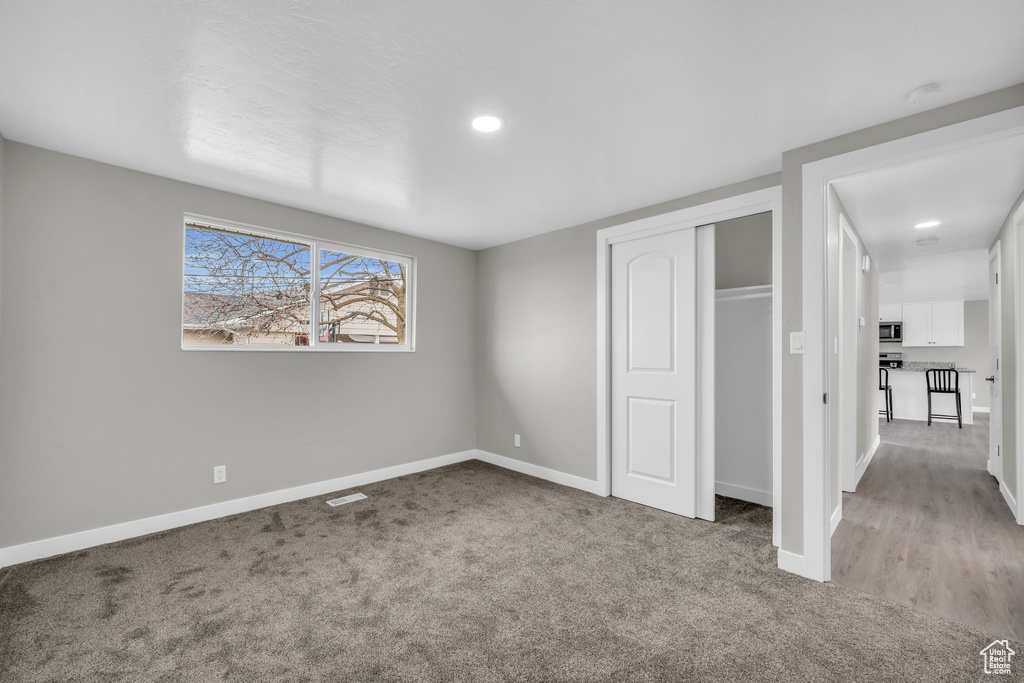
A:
(970, 191)
(361, 109)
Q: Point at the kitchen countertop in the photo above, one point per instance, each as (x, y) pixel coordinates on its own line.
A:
(921, 366)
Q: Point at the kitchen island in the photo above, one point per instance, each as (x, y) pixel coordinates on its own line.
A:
(910, 394)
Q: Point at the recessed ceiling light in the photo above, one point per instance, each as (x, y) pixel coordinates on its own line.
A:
(926, 224)
(918, 95)
(487, 123)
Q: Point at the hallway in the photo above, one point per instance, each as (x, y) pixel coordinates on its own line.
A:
(928, 528)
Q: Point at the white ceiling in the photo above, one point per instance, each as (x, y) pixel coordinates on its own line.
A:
(361, 109)
(970, 191)
(961, 276)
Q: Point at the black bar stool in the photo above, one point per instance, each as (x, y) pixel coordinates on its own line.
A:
(883, 385)
(944, 382)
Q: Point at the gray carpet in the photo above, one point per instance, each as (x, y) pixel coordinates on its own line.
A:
(466, 573)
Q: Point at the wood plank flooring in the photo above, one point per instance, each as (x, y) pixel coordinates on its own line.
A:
(928, 528)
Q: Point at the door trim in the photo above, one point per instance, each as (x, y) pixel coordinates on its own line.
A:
(849, 372)
(996, 254)
(759, 201)
(814, 178)
(705, 478)
(1018, 393)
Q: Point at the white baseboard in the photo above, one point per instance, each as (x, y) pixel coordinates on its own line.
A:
(981, 409)
(571, 480)
(837, 517)
(743, 493)
(862, 464)
(791, 562)
(118, 532)
(1010, 500)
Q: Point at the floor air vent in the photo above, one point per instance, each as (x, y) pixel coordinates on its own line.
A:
(346, 499)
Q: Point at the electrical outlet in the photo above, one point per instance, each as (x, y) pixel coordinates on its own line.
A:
(974, 395)
(220, 474)
(517, 441)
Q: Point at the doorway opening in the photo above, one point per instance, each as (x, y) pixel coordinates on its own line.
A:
(696, 481)
(743, 359)
(927, 520)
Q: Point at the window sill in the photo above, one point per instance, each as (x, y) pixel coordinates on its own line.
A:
(366, 348)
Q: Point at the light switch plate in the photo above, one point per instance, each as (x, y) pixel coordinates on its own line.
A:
(796, 343)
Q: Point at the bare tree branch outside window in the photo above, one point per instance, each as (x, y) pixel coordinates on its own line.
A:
(361, 297)
(242, 288)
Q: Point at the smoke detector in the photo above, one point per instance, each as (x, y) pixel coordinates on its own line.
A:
(926, 91)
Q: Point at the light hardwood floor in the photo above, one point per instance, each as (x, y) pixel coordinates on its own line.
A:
(928, 528)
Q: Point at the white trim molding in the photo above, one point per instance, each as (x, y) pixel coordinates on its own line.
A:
(981, 409)
(862, 464)
(791, 562)
(58, 545)
(837, 517)
(768, 199)
(1010, 500)
(571, 480)
(1018, 310)
(743, 493)
(815, 179)
(37, 550)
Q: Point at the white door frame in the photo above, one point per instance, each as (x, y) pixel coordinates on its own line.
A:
(848, 373)
(769, 199)
(815, 177)
(1018, 302)
(996, 254)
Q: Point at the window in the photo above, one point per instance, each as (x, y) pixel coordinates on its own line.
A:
(246, 289)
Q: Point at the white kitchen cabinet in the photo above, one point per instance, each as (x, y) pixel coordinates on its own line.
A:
(948, 323)
(890, 314)
(933, 324)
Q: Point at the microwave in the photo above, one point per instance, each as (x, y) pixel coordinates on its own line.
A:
(890, 332)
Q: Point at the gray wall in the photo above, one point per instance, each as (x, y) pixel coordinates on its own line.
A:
(867, 345)
(743, 251)
(104, 419)
(3, 146)
(1008, 256)
(792, 273)
(537, 340)
(972, 355)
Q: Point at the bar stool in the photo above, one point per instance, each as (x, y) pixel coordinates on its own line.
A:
(883, 385)
(944, 382)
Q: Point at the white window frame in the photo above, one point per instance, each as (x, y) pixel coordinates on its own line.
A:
(315, 244)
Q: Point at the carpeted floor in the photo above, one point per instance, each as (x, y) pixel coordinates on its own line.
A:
(466, 573)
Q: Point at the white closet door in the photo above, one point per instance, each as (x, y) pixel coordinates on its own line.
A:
(654, 371)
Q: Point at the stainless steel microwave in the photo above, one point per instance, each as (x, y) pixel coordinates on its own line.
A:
(890, 332)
